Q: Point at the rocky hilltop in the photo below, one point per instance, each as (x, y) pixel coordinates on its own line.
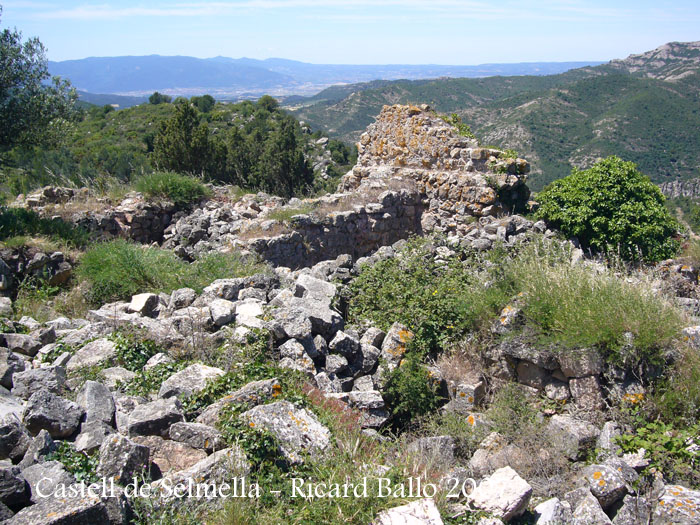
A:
(672, 61)
(306, 368)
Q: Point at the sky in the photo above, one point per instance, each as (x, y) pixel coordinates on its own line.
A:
(455, 32)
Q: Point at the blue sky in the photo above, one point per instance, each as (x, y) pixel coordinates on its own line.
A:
(357, 31)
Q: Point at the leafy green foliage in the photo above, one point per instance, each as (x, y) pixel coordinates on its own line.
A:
(689, 211)
(611, 206)
(462, 129)
(668, 448)
(410, 392)
(147, 381)
(438, 303)
(81, 465)
(182, 144)
(31, 111)
(158, 98)
(21, 221)
(119, 269)
(181, 189)
(133, 352)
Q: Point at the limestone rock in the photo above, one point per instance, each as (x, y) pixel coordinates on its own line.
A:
(222, 311)
(394, 345)
(298, 430)
(580, 362)
(73, 511)
(121, 459)
(39, 448)
(252, 394)
(22, 343)
(91, 436)
(197, 435)
(44, 478)
(97, 352)
(188, 381)
(587, 393)
(677, 505)
(10, 364)
(144, 303)
(605, 483)
(98, 403)
(170, 456)
(51, 379)
(154, 418)
(310, 287)
(589, 512)
(14, 490)
(573, 435)
(503, 494)
(553, 512)
(47, 411)
(420, 512)
(14, 438)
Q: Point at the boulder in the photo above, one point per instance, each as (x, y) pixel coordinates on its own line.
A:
(98, 403)
(345, 345)
(419, 512)
(98, 352)
(25, 344)
(373, 336)
(14, 490)
(121, 459)
(198, 436)
(50, 379)
(587, 393)
(394, 344)
(10, 364)
(222, 311)
(605, 483)
(589, 512)
(298, 430)
(312, 288)
(494, 452)
(553, 512)
(181, 298)
(45, 478)
(5, 307)
(14, 438)
(170, 456)
(154, 418)
(74, 511)
(249, 313)
(464, 396)
(250, 395)
(503, 494)
(634, 510)
(572, 435)
(92, 435)
(188, 381)
(580, 362)
(39, 448)
(678, 505)
(58, 416)
(144, 303)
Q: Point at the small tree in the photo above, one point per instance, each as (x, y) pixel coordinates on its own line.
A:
(183, 145)
(158, 98)
(611, 206)
(31, 111)
(205, 103)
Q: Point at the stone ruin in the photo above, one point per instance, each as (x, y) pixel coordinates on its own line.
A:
(415, 174)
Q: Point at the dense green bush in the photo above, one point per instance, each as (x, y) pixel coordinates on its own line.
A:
(118, 269)
(16, 222)
(410, 392)
(438, 303)
(611, 206)
(181, 189)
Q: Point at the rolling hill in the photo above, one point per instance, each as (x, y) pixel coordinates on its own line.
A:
(645, 108)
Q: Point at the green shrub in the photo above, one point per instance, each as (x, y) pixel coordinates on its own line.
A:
(438, 303)
(148, 380)
(668, 450)
(133, 352)
(16, 222)
(462, 129)
(181, 189)
(511, 413)
(578, 305)
(410, 392)
(611, 206)
(118, 269)
(677, 395)
(81, 465)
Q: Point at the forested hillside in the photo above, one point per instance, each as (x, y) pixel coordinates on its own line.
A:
(645, 109)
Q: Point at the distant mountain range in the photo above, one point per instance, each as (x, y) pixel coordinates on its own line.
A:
(645, 108)
(244, 77)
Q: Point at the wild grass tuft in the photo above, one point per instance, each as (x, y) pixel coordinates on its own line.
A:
(181, 189)
(118, 269)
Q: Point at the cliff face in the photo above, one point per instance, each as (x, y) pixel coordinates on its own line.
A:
(459, 179)
(681, 188)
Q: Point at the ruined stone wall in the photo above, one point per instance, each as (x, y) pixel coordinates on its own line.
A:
(459, 179)
(357, 232)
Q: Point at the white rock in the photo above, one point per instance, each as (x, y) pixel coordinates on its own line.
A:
(420, 512)
(504, 494)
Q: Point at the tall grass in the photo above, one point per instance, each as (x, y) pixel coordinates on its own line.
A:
(584, 305)
(118, 269)
(181, 189)
(20, 222)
